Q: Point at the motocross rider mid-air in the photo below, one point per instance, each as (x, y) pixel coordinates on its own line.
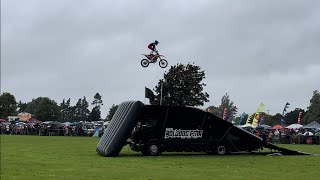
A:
(154, 56)
(152, 47)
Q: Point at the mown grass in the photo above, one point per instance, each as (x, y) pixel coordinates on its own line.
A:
(40, 157)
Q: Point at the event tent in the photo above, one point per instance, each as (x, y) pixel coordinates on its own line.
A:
(277, 127)
(294, 126)
(66, 123)
(246, 125)
(308, 134)
(312, 125)
(264, 126)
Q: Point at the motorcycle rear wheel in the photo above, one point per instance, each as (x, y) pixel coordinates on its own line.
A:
(144, 62)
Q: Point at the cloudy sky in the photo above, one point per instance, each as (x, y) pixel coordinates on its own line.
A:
(256, 51)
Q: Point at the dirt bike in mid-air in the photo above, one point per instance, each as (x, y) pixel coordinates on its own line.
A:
(153, 59)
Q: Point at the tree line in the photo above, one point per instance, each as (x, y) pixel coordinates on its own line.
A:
(45, 109)
(181, 85)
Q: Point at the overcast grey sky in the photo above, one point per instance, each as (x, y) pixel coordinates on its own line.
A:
(256, 51)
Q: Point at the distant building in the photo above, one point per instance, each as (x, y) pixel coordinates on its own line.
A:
(12, 118)
(24, 116)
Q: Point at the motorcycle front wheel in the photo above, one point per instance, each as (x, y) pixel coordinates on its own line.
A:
(144, 62)
(163, 63)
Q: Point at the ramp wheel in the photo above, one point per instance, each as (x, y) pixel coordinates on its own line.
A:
(221, 150)
(153, 149)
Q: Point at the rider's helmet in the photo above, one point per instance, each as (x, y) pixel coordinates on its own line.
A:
(156, 42)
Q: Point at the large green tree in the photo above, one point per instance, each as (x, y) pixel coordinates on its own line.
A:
(81, 110)
(313, 113)
(44, 109)
(8, 105)
(95, 114)
(31, 106)
(214, 110)
(111, 112)
(22, 106)
(182, 85)
(270, 119)
(276, 119)
(227, 104)
(97, 102)
(66, 111)
(292, 117)
(71, 114)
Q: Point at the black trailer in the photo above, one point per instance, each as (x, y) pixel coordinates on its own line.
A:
(188, 129)
(155, 129)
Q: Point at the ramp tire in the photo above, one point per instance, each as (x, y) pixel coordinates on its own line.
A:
(119, 128)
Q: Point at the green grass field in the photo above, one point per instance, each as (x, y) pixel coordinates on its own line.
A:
(40, 157)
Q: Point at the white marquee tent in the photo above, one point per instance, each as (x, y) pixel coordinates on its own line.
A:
(312, 125)
(294, 126)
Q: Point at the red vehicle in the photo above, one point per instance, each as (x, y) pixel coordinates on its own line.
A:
(152, 58)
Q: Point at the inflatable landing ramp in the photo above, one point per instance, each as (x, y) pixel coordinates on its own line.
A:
(154, 129)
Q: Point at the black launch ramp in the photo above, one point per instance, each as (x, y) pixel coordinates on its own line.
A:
(188, 129)
(119, 128)
(285, 151)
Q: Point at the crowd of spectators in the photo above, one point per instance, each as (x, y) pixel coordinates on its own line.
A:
(88, 129)
(52, 128)
(288, 136)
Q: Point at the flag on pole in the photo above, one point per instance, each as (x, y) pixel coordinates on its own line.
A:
(149, 94)
(282, 121)
(285, 108)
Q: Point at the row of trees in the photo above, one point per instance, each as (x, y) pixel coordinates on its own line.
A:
(181, 85)
(45, 109)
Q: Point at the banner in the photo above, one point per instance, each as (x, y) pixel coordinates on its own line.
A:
(224, 114)
(241, 117)
(260, 108)
(285, 108)
(233, 112)
(255, 118)
(261, 120)
(299, 118)
(257, 115)
(249, 119)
